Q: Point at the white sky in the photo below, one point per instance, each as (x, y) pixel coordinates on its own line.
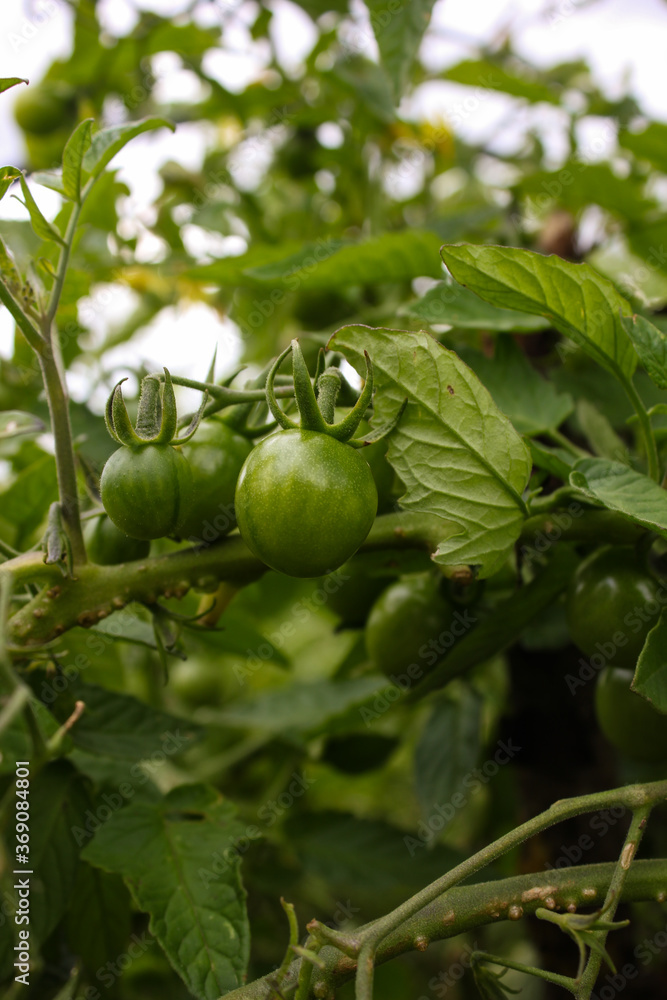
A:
(621, 40)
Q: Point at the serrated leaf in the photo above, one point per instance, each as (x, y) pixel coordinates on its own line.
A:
(7, 177)
(98, 921)
(448, 749)
(622, 489)
(73, 154)
(116, 725)
(650, 678)
(14, 423)
(457, 455)
(533, 404)
(451, 303)
(399, 32)
(305, 707)
(651, 346)
(177, 859)
(10, 81)
(577, 301)
(109, 141)
(40, 225)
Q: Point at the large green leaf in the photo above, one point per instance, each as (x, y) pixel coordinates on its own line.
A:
(533, 404)
(399, 28)
(98, 921)
(650, 678)
(577, 301)
(109, 141)
(651, 346)
(73, 154)
(457, 455)
(450, 303)
(177, 859)
(448, 750)
(114, 724)
(622, 489)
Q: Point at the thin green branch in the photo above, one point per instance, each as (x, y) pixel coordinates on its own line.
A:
(550, 977)
(648, 436)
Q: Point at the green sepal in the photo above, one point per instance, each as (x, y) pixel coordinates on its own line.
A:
(123, 431)
(285, 422)
(379, 433)
(149, 410)
(346, 427)
(56, 543)
(169, 419)
(194, 423)
(306, 401)
(328, 388)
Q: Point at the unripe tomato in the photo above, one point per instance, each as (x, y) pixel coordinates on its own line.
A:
(612, 592)
(146, 491)
(628, 721)
(411, 622)
(45, 108)
(304, 502)
(215, 455)
(106, 545)
(376, 456)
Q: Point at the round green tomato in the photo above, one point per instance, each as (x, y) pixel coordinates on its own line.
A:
(215, 455)
(612, 592)
(147, 491)
(359, 752)
(304, 502)
(411, 622)
(628, 721)
(106, 545)
(46, 108)
(376, 456)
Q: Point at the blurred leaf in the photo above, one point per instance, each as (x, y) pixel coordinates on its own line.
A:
(399, 29)
(188, 40)
(73, 154)
(601, 436)
(40, 225)
(651, 346)
(451, 303)
(10, 81)
(368, 83)
(178, 861)
(622, 489)
(492, 76)
(7, 177)
(556, 461)
(578, 184)
(52, 179)
(453, 449)
(26, 502)
(13, 423)
(448, 750)
(650, 678)
(532, 403)
(98, 922)
(109, 141)
(578, 302)
(649, 144)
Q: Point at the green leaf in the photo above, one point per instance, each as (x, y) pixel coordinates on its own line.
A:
(493, 76)
(40, 225)
(649, 144)
(7, 177)
(398, 256)
(10, 81)
(601, 436)
(622, 489)
(650, 678)
(52, 179)
(14, 423)
(58, 803)
(457, 455)
(106, 143)
(98, 921)
(651, 346)
(448, 749)
(557, 461)
(577, 301)
(369, 85)
(399, 29)
(73, 154)
(177, 859)
(450, 303)
(26, 502)
(533, 404)
(578, 184)
(305, 707)
(114, 724)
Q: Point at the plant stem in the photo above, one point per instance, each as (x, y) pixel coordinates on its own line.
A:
(31, 334)
(550, 977)
(646, 429)
(568, 445)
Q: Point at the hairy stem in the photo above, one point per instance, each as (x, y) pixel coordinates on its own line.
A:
(648, 436)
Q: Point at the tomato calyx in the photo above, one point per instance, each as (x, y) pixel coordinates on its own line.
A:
(316, 405)
(157, 418)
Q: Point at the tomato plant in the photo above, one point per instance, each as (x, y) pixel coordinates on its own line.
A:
(356, 676)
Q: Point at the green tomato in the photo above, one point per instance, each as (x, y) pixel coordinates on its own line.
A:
(376, 456)
(304, 502)
(611, 593)
(106, 545)
(628, 721)
(146, 491)
(215, 456)
(44, 109)
(411, 622)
